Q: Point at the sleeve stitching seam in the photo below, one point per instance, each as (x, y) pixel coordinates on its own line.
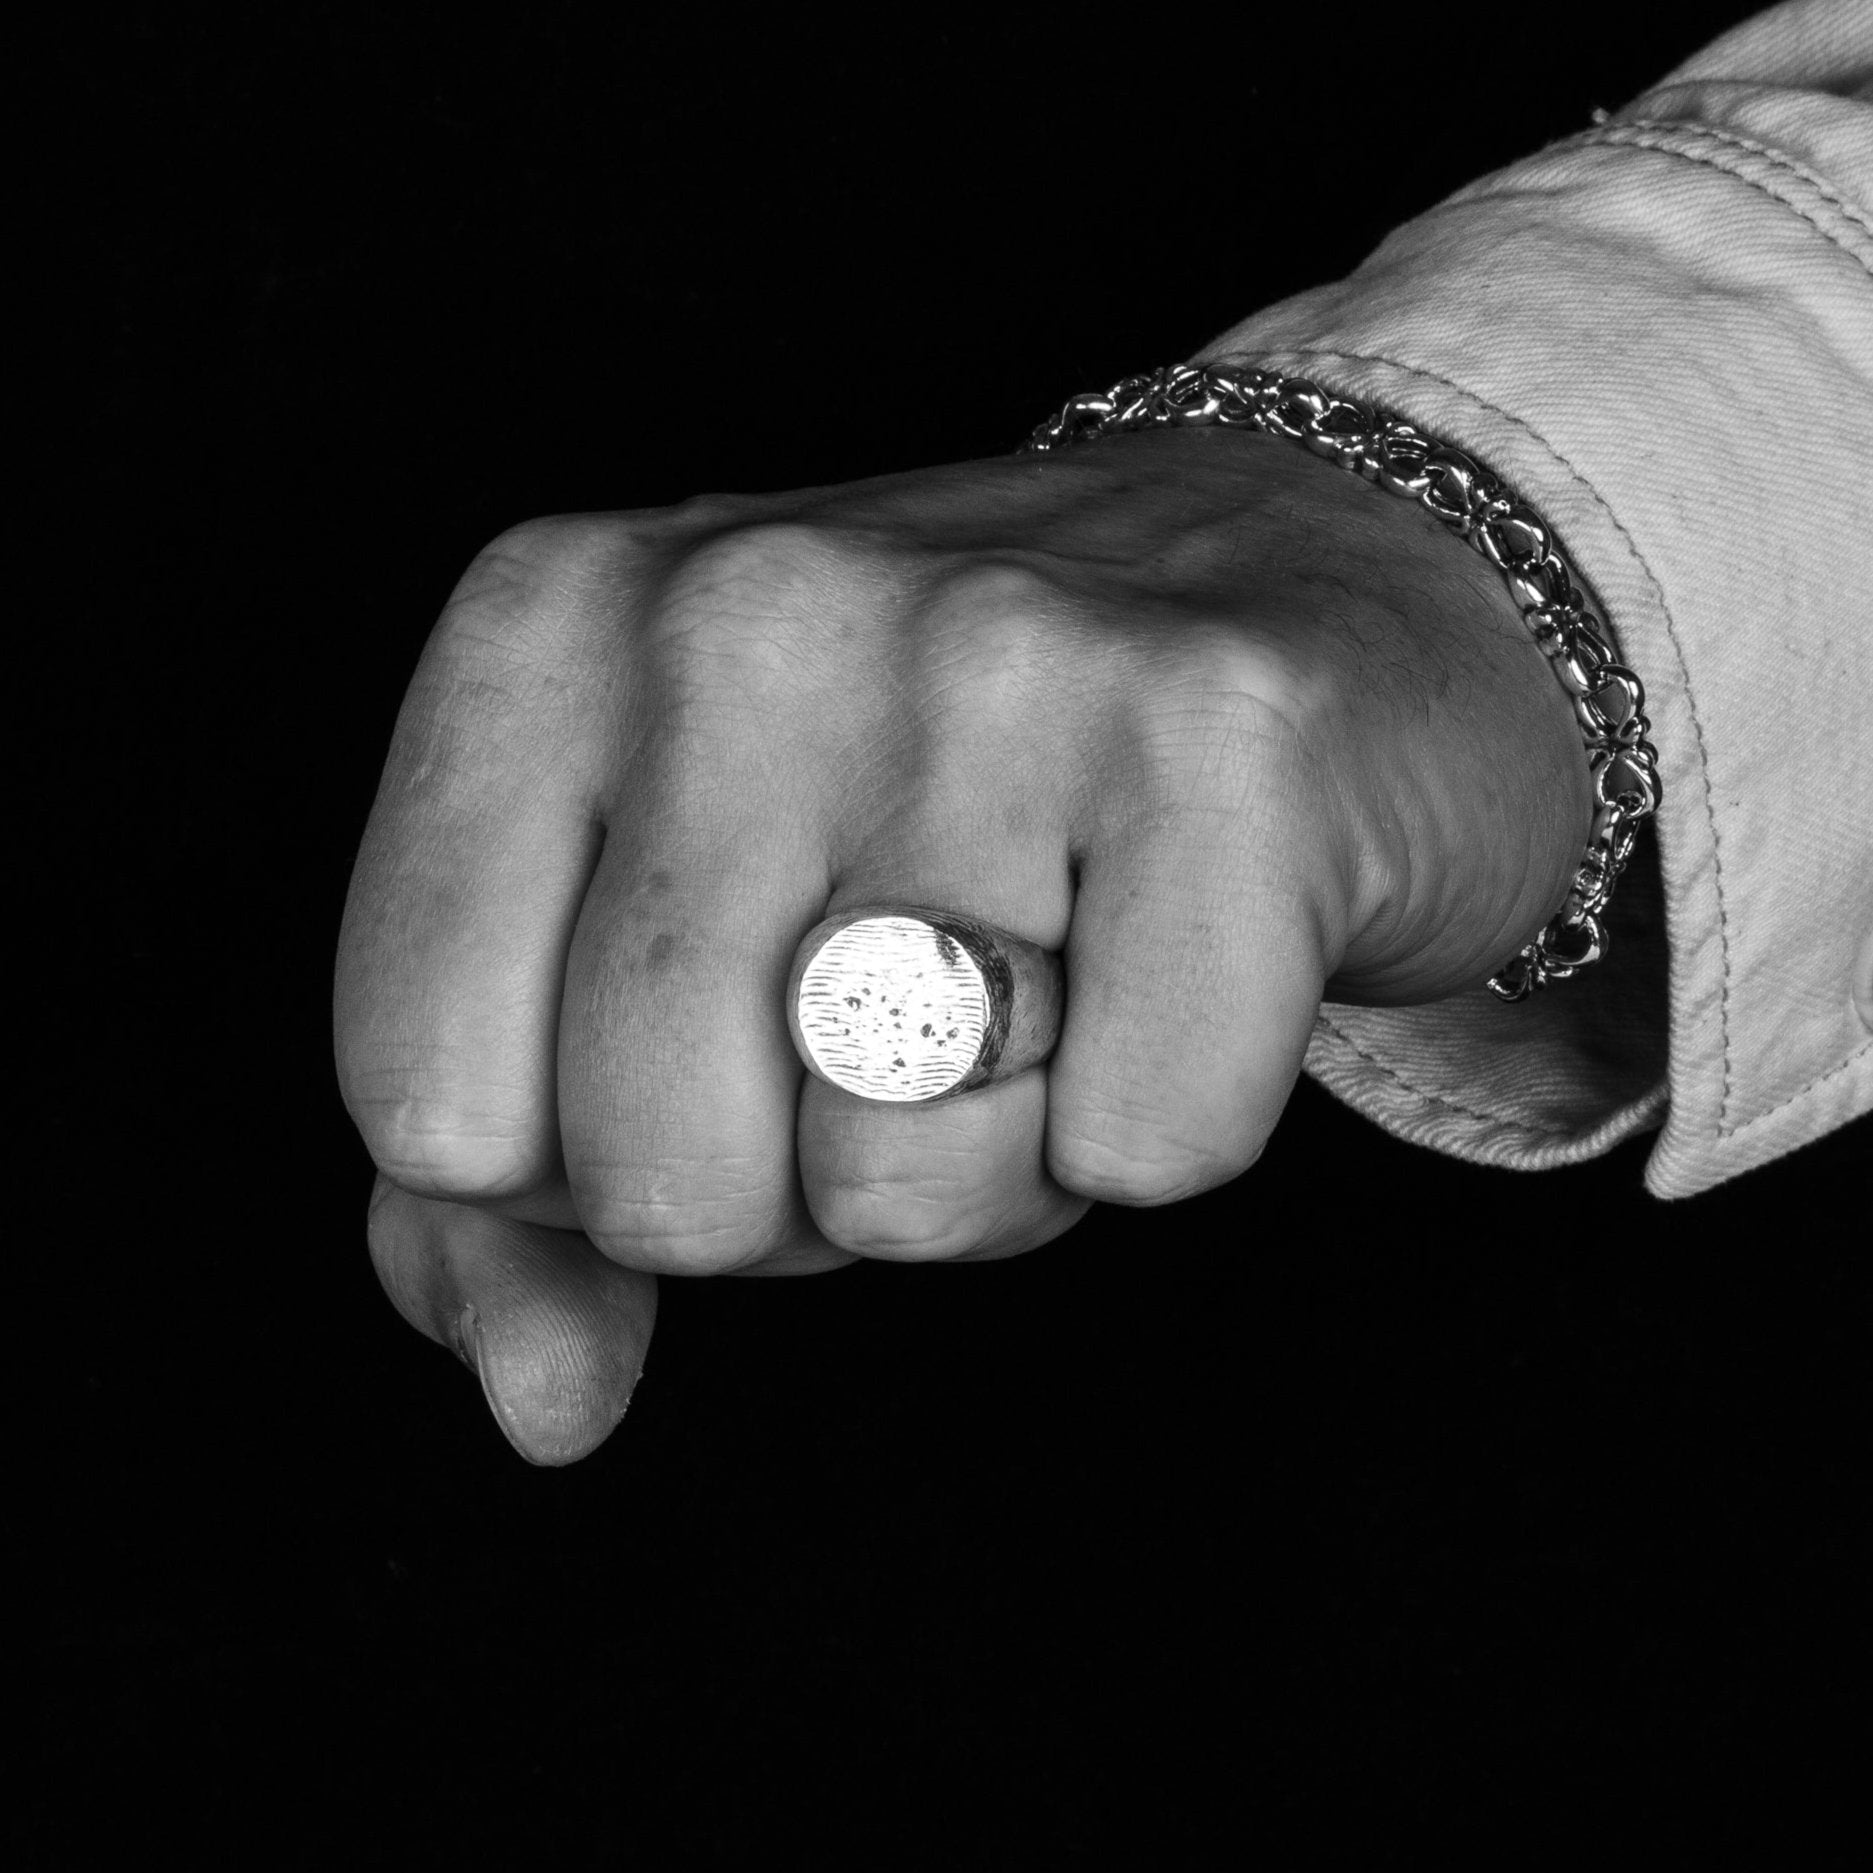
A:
(1782, 1105)
(1441, 1100)
(1781, 158)
(1659, 146)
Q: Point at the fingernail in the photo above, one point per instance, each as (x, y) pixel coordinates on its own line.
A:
(470, 1348)
(469, 1325)
(463, 1336)
(551, 1407)
(475, 1356)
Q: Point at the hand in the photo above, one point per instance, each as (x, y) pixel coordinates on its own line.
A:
(1231, 729)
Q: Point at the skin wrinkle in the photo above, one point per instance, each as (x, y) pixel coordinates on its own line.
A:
(729, 592)
(523, 721)
(398, 1078)
(450, 726)
(677, 1183)
(439, 893)
(554, 586)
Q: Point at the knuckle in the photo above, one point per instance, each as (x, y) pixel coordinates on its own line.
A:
(531, 579)
(1206, 760)
(919, 1195)
(988, 683)
(764, 615)
(523, 656)
(751, 573)
(701, 1230)
(1193, 729)
(1222, 671)
(985, 633)
(449, 1150)
(987, 591)
(1130, 1161)
(662, 1242)
(895, 1221)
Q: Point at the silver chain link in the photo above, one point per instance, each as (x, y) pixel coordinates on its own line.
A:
(1608, 698)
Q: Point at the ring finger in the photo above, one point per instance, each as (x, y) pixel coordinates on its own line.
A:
(963, 1176)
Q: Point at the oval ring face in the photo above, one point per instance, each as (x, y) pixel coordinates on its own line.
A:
(892, 1009)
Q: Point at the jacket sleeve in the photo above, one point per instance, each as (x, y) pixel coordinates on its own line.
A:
(1659, 333)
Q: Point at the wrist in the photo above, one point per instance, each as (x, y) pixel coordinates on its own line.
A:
(1470, 504)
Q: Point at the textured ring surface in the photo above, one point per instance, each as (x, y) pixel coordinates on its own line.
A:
(900, 1003)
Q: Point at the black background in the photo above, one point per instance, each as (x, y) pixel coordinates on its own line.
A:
(1374, 1505)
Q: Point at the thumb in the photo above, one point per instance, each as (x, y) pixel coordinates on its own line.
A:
(556, 1332)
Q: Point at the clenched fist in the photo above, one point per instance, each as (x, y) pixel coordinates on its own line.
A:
(1232, 731)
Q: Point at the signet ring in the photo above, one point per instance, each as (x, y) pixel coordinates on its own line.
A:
(905, 1004)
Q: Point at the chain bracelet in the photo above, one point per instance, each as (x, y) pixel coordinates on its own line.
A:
(1608, 699)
